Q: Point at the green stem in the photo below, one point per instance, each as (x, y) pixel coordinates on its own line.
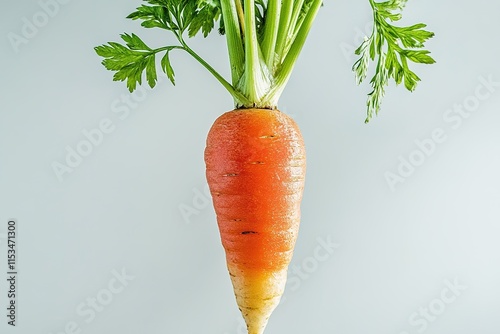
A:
(234, 40)
(294, 23)
(238, 96)
(271, 31)
(285, 15)
(241, 16)
(253, 85)
(293, 54)
(168, 48)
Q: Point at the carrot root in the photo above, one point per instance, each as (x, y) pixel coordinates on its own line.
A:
(257, 295)
(255, 167)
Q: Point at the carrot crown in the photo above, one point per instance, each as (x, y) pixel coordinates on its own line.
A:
(264, 40)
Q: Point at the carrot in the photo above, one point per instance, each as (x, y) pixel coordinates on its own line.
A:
(255, 155)
(255, 167)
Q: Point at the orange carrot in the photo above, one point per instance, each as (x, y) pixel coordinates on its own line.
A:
(255, 167)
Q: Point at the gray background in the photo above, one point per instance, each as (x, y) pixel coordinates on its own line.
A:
(392, 252)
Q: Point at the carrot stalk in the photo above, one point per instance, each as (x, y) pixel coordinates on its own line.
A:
(230, 14)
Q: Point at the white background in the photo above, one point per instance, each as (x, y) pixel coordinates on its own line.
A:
(395, 250)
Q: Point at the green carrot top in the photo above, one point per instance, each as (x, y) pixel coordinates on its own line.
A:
(264, 40)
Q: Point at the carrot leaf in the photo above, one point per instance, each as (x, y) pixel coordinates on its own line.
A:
(391, 47)
(152, 16)
(264, 40)
(167, 68)
(132, 60)
(208, 13)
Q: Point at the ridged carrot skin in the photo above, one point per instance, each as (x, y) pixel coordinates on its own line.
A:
(255, 168)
